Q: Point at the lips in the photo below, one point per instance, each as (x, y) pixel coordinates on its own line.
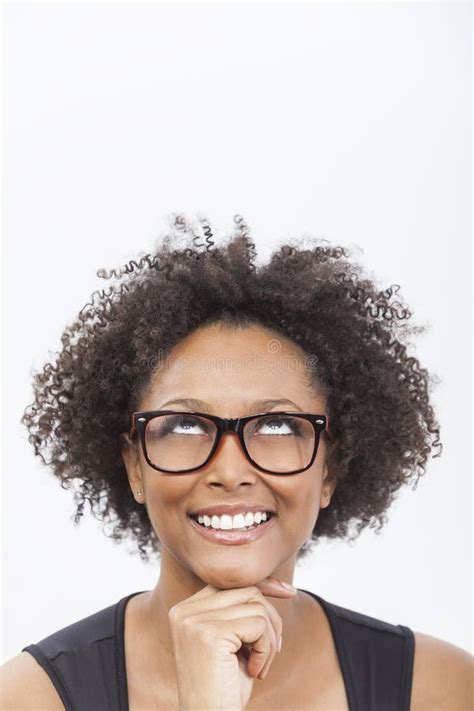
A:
(196, 517)
(235, 536)
(231, 509)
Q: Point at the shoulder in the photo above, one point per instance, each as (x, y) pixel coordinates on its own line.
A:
(443, 676)
(26, 686)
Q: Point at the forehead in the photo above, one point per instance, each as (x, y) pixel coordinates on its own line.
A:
(220, 365)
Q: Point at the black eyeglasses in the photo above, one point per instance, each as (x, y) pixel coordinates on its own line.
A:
(275, 442)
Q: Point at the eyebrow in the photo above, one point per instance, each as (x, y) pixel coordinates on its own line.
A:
(256, 406)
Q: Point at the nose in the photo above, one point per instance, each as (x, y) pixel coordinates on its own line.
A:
(229, 463)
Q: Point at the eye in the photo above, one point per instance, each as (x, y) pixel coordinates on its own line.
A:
(177, 425)
(279, 426)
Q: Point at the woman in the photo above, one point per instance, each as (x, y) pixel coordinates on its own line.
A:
(232, 415)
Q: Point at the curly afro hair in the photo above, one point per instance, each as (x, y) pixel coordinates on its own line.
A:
(382, 423)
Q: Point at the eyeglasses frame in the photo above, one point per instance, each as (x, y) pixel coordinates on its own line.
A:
(140, 419)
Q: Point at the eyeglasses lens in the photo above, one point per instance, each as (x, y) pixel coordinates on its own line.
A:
(279, 443)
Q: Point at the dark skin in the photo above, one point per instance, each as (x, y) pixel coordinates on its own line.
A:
(442, 674)
(227, 371)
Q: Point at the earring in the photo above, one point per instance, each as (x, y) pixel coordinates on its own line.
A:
(139, 493)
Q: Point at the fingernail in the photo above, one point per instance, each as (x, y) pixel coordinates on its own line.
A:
(279, 644)
(287, 586)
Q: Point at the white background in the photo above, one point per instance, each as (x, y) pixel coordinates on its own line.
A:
(345, 121)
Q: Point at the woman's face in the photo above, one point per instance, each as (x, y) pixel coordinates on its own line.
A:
(225, 371)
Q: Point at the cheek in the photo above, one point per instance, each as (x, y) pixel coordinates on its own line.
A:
(168, 489)
(166, 501)
(308, 511)
(305, 506)
(305, 488)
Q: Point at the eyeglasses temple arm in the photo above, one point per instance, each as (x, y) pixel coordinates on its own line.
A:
(132, 426)
(328, 431)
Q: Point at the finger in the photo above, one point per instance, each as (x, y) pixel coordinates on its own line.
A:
(268, 586)
(275, 619)
(277, 626)
(248, 609)
(206, 591)
(219, 599)
(254, 630)
(226, 600)
(275, 588)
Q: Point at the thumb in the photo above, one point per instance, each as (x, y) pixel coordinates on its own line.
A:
(276, 588)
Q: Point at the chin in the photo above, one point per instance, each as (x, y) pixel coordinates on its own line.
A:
(232, 579)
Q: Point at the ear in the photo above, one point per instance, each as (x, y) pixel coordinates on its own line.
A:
(327, 489)
(131, 461)
(125, 439)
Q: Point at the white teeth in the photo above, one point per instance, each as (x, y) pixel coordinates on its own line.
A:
(249, 519)
(239, 521)
(222, 522)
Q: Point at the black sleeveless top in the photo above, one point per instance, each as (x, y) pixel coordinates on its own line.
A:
(86, 660)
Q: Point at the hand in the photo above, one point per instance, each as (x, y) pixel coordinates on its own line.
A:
(209, 631)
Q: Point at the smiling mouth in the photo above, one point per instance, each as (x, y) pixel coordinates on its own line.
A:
(233, 536)
(270, 515)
